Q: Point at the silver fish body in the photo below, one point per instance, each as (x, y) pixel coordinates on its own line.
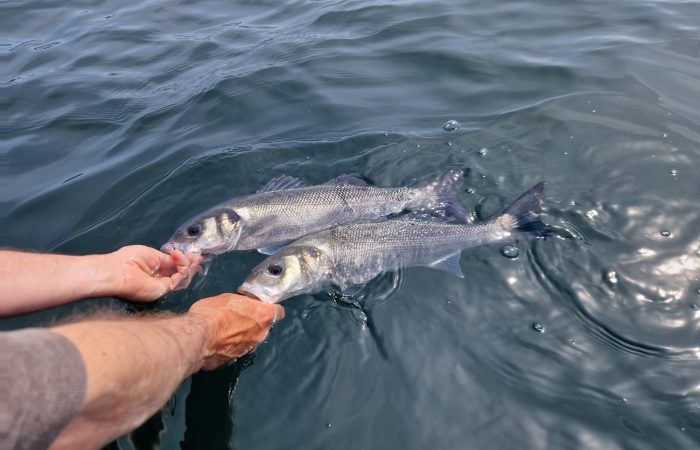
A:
(286, 210)
(355, 253)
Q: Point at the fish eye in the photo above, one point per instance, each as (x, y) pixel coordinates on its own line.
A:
(193, 230)
(275, 270)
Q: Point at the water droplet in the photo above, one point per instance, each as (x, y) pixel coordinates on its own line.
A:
(697, 291)
(694, 307)
(538, 327)
(510, 251)
(328, 425)
(665, 233)
(451, 125)
(593, 110)
(483, 151)
(572, 342)
(449, 143)
(623, 400)
(664, 135)
(674, 172)
(470, 190)
(417, 145)
(611, 277)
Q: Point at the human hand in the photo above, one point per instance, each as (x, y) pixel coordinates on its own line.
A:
(144, 274)
(236, 325)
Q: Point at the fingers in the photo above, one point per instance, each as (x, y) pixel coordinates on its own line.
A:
(266, 313)
(179, 269)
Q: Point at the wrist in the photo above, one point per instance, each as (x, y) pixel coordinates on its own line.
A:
(105, 279)
(193, 335)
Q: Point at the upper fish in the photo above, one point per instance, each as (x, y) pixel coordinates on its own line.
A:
(355, 253)
(286, 209)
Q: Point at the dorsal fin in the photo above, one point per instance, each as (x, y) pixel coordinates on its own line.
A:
(282, 182)
(352, 179)
(450, 264)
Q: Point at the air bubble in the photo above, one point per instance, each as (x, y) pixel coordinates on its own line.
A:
(665, 233)
(674, 172)
(510, 251)
(451, 125)
(611, 277)
(538, 327)
(694, 307)
(483, 151)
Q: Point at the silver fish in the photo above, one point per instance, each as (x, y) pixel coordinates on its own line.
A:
(355, 253)
(285, 210)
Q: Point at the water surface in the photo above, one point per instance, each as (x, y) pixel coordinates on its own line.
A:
(120, 121)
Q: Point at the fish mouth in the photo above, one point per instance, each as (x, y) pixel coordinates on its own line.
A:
(258, 292)
(170, 247)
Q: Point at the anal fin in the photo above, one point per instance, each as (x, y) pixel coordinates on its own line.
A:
(450, 264)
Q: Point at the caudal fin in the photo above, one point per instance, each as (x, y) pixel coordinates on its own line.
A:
(438, 197)
(523, 215)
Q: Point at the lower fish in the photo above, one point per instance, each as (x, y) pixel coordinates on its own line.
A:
(286, 209)
(355, 253)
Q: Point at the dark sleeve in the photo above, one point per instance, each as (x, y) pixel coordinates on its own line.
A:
(43, 384)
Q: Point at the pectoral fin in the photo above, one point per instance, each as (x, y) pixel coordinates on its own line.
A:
(272, 249)
(449, 264)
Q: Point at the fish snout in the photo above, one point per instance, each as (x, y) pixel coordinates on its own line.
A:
(170, 247)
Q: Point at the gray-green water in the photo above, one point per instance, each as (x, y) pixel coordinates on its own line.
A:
(118, 120)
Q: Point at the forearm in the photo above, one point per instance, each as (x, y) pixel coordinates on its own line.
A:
(31, 281)
(133, 367)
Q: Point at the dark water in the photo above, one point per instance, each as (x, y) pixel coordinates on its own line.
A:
(121, 119)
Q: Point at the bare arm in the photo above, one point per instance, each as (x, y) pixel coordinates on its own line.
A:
(30, 281)
(134, 366)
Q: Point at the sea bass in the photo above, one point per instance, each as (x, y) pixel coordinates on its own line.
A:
(286, 209)
(355, 253)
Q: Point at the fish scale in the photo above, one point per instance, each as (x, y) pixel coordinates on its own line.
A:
(354, 253)
(362, 251)
(285, 210)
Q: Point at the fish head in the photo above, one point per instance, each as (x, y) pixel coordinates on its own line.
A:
(291, 271)
(214, 232)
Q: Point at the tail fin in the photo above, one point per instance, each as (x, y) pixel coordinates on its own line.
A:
(523, 215)
(439, 197)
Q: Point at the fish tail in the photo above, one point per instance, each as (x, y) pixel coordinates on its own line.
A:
(438, 197)
(523, 215)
